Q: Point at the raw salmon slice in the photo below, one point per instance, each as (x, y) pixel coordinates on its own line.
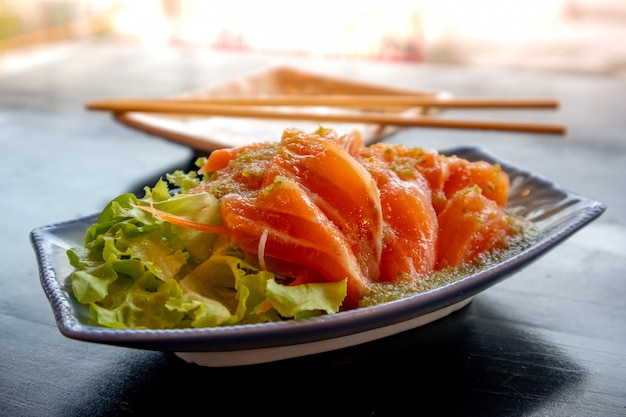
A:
(237, 170)
(285, 228)
(411, 163)
(221, 158)
(469, 225)
(410, 224)
(462, 173)
(340, 186)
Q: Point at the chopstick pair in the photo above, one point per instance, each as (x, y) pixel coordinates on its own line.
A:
(256, 107)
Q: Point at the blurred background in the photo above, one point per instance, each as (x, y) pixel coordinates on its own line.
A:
(581, 36)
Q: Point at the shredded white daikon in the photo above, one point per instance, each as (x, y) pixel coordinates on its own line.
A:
(261, 248)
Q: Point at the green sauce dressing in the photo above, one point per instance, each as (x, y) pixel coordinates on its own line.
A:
(383, 292)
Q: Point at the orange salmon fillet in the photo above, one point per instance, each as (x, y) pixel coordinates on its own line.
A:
(469, 225)
(410, 233)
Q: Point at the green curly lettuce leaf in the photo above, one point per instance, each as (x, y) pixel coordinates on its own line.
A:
(138, 271)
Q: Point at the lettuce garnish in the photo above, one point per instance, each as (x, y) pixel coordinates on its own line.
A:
(137, 271)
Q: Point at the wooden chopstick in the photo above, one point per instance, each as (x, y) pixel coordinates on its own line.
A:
(352, 101)
(188, 107)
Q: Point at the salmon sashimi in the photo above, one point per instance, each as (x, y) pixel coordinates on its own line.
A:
(410, 233)
(462, 173)
(319, 207)
(237, 170)
(415, 162)
(352, 142)
(220, 158)
(340, 186)
(291, 228)
(470, 225)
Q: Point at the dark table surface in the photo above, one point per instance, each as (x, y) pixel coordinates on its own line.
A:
(550, 340)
